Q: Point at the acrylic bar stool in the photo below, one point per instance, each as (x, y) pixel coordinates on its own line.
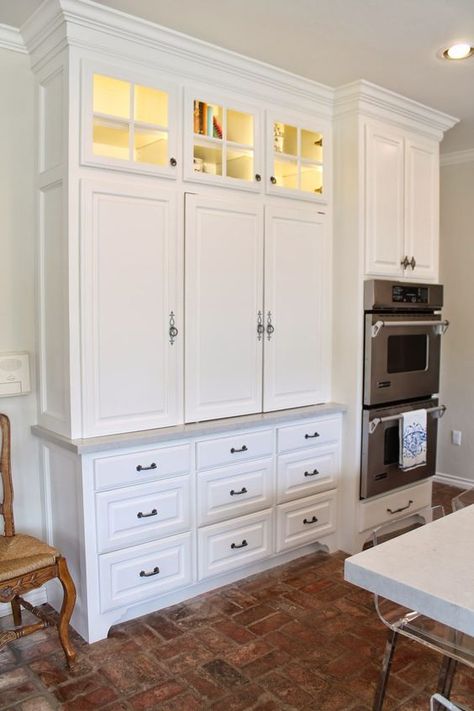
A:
(440, 702)
(451, 644)
(465, 498)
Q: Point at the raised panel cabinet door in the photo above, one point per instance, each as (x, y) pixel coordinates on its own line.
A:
(422, 208)
(131, 267)
(384, 195)
(223, 298)
(297, 300)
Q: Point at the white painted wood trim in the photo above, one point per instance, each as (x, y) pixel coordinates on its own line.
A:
(456, 157)
(10, 38)
(364, 98)
(36, 597)
(453, 480)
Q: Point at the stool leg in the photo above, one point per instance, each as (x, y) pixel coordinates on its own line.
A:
(385, 671)
(446, 676)
(16, 611)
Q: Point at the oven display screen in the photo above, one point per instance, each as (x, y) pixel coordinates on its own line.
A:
(410, 294)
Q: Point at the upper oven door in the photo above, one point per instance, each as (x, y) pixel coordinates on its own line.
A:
(402, 353)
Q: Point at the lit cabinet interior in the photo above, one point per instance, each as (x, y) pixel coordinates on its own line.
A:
(223, 141)
(130, 121)
(297, 159)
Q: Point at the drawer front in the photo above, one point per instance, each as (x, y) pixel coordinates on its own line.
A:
(234, 491)
(309, 434)
(299, 523)
(145, 465)
(308, 472)
(235, 448)
(233, 544)
(143, 572)
(136, 514)
(399, 503)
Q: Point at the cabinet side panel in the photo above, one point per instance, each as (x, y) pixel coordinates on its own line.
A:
(51, 121)
(422, 178)
(53, 321)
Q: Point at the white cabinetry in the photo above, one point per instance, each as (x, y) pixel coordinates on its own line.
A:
(297, 307)
(131, 258)
(232, 322)
(157, 523)
(401, 203)
(224, 295)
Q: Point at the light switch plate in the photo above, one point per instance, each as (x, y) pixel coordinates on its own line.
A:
(14, 374)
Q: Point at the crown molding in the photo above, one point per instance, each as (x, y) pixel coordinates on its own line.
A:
(457, 157)
(367, 99)
(10, 38)
(86, 24)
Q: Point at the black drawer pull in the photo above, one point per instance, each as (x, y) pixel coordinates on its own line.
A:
(313, 473)
(313, 520)
(155, 571)
(307, 436)
(144, 469)
(242, 449)
(153, 512)
(404, 508)
(237, 493)
(239, 545)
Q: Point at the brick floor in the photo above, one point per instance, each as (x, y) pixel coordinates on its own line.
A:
(297, 637)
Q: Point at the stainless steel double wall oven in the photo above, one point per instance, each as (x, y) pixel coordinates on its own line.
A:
(402, 345)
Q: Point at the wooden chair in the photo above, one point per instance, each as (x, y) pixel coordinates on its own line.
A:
(27, 563)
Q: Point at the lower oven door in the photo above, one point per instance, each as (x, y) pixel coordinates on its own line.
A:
(380, 470)
(401, 359)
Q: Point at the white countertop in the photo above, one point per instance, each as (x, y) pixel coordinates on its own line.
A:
(194, 429)
(430, 570)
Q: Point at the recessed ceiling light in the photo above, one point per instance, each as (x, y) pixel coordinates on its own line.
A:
(462, 50)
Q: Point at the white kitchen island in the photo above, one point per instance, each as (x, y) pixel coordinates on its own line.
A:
(430, 569)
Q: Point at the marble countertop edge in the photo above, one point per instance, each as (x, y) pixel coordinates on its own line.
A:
(207, 428)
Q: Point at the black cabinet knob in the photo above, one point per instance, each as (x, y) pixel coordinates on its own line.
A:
(258, 177)
(173, 162)
(273, 180)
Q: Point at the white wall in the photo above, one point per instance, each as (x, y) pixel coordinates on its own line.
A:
(17, 287)
(457, 274)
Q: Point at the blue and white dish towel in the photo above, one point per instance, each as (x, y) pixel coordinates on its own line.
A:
(413, 436)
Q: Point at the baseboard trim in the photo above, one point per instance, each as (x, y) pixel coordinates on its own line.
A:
(458, 481)
(36, 597)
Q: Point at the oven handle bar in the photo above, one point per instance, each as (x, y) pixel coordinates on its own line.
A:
(440, 327)
(435, 411)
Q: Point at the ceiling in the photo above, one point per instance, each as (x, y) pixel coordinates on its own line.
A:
(394, 44)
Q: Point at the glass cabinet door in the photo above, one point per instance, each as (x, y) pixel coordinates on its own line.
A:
(224, 143)
(128, 125)
(296, 160)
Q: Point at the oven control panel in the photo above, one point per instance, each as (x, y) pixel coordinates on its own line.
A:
(410, 294)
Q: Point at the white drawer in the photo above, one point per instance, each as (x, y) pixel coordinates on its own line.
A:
(234, 491)
(136, 514)
(123, 469)
(143, 572)
(309, 434)
(234, 448)
(395, 505)
(233, 544)
(307, 472)
(307, 521)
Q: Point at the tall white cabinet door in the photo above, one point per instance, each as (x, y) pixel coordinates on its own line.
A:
(384, 195)
(223, 298)
(131, 268)
(296, 308)
(422, 207)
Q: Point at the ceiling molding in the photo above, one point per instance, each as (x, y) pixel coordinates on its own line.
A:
(10, 38)
(364, 98)
(457, 157)
(86, 23)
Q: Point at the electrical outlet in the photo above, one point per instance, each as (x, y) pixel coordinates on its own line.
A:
(456, 437)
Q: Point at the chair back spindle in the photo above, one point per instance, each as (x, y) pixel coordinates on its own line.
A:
(6, 507)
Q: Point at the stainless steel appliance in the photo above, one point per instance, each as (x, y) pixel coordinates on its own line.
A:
(381, 447)
(402, 340)
(403, 329)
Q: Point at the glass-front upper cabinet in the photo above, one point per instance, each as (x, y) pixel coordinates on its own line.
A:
(222, 142)
(129, 124)
(297, 153)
